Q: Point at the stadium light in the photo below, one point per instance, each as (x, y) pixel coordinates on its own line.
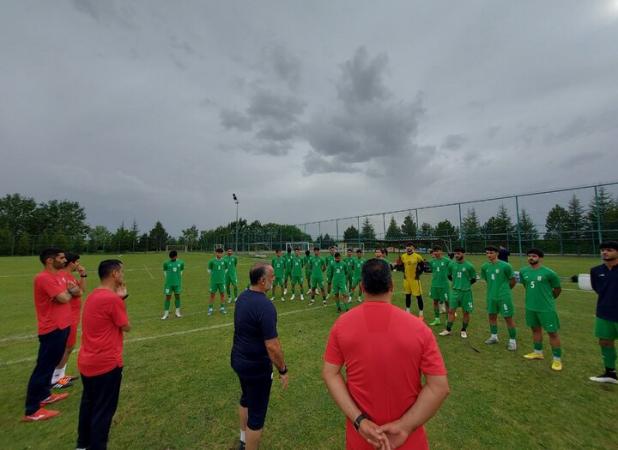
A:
(236, 240)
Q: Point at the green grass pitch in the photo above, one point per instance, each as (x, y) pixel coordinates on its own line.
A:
(179, 391)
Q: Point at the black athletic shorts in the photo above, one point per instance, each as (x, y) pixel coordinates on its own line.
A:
(255, 395)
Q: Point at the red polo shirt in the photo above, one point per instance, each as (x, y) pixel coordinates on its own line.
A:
(104, 315)
(75, 302)
(385, 351)
(51, 315)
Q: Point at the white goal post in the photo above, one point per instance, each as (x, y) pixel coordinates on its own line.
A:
(178, 248)
(303, 246)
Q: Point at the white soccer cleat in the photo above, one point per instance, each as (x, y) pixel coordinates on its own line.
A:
(165, 315)
(282, 298)
(445, 333)
(178, 314)
(464, 334)
(285, 292)
(421, 314)
(272, 299)
(293, 297)
(442, 308)
(349, 299)
(323, 302)
(492, 340)
(301, 297)
(607, 377)
(512, 345)
(308, 292)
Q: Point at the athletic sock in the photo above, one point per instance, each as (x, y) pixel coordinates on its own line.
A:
(176, 303)
(538, 347)
(513, 333)
(166, 305)
(242, 436)
(557, 352)
(408, 301)
(493, 329)
(235, 291)
(419, 302)
(609, 357)
(436, 311)
(449, 325)
(464, 326)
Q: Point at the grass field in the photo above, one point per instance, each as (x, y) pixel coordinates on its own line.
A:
(179, 391)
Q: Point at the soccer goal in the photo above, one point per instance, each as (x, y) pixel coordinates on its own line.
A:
(178, 248)
(301, 245)
(343, 246)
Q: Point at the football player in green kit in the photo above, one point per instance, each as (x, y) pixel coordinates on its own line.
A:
(318, 265)
(339, 282)
(172, 273)
(216, 269)
(231, 276)
(500, 280)
(542, 287)
(288, 269)
(349, 260)
(439, 290)
(463, 276)
(329, 260)
(297, 263)
(279, 265)
(357, 266)
(307, 266)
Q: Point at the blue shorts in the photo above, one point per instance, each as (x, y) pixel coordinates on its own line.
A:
(255, 395)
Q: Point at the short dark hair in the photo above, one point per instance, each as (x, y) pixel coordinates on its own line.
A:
(289, 249)
(257, 272)
(358, 250)
(173, 254)
(51, 252)
(436, 248)
(337, 254)
(71, 257)
(409, 244)
(316, 248)
(296, 248)
(107, 266)
(491, 248)
(219, 250)
(535, 251)
(613, 245)
(277, 250)
(459, 250)
(376, 276)
(349, 250)
(307, 252)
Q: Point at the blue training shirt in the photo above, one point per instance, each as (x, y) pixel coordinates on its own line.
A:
(255, 321)
(605, 283)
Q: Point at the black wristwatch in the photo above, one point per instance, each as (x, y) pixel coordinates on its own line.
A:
(284, 371)
(359, 419)
(83, 276)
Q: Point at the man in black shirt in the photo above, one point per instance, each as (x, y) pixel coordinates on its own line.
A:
(604, 280)
(503, 253)
(255, 349)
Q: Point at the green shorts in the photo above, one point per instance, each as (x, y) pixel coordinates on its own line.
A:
(548, 320)
(317, 283)
(288, 275)
(339, 289)
(461, 299)
(173, 289)
(278, 281)
(438, 293)
(214, 287)
(231, 280)
(297, 279)
(355, 282)
(605, 329)
(504, 307)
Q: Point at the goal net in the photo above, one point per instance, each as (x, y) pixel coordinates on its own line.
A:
(301, 245)
(178, 248)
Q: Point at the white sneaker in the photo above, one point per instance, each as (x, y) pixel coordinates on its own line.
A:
(165, 315)
(312, 301)
(445, 333)
(210, 311)
(178, 314)
(308, 292)
(421, 314)
(282, 298)
(407, 310)
(272, 299)
(285, 292)
(229, 299)
(492, 340)
(464, 335)
(293, 296)
(324, 302)
(442, 308)
(301, 297)
(235, 299)
(512, 345)
(359, 299)
(349, 299)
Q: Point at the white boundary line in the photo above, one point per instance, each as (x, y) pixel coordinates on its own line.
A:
(175, 333)
(149, 272)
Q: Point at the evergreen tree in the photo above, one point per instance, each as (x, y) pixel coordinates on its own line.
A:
(393, 232)
(408, 227)
(367, 231)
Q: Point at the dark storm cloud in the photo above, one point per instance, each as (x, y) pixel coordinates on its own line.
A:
(234, 119)
(271, 106)
(367, 123)
(454, 141)
(284, 65)
(105, 12)
(316, 163)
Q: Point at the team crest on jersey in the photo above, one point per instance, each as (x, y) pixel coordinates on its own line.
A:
(539, 278)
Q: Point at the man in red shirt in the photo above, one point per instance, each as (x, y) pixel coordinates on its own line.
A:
(51, 301)
(385, 352)
(99, 361)
(59, 378)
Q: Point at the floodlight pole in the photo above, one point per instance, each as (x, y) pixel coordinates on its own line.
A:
(236, 240)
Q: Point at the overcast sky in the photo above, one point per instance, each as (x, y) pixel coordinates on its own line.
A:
(307, 110)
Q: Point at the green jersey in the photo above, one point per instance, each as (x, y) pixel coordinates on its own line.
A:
(217, 268)
(307, 263)
(349, 264)
(288, 261)
(462, 274)
(296, 266)
(173, 272)
(439, 272)
(329, 260)
(232, 262)
(357, 266)
(339, 271)
(539, 284)
(497, 276)
(317, 264)
(279, 265)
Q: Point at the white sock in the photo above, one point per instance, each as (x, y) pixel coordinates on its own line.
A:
(58, 373)
(557, 358)
(242, 436)
(538, 352)
(407, 309)
(495, 336)
(512, 341)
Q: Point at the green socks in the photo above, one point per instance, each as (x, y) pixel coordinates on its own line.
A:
(166, 305)
(436, 311)
(609, 357)
(464, 326)
(493, 329)
(513, 333)
(176, 303)
(557, 352)
(538, 346)
(449, 325)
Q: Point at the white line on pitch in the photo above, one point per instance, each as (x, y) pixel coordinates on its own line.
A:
(175, 333)
(149, 273)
